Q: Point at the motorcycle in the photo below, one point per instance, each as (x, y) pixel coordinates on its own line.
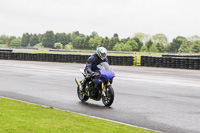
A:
(98, 86)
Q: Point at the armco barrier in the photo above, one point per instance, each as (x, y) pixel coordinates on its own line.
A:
(6, 50)
(113, 60)
(183, 62)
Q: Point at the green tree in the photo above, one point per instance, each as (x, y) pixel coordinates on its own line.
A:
(118, 47)
(68, 38)
(95, 42)
(196, 46)
(142, 37)
(15, 43)
(7, 39)
(160, 38)
(10, 40)
(48, 39)
(112, 42)
(153, 48)
(184, 47)
(86, 42)
(192, 39)
(61, 37)
(133, 44)
(144, 48)
(58, 45)
(40, 36)
(1, 42)
(94, 34)
(34, 40)
(76, 42)
(25, 40)
(181, 38)
(160, 47)
(140, 44)
(167, 48)
(125, 40)
(149, 44)
(79, 41)
(74, 35)
(4, 38)
(116, 35)
(176, 43)
(127, 47)
(106, 42)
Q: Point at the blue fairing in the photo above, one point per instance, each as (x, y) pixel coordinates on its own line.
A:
(106, 74)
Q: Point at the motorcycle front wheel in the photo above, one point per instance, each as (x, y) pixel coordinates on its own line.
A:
(108, 96)
(82, 97)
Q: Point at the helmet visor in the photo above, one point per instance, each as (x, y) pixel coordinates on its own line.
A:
(103, 55)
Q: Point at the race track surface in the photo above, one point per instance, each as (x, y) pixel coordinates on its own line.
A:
(162, 99)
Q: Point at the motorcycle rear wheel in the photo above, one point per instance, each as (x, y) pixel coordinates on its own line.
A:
(82, 97)
(108, 97)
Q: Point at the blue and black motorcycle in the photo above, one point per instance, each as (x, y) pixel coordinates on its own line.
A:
(98, 86)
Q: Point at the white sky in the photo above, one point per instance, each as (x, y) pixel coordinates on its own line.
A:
(106, 17)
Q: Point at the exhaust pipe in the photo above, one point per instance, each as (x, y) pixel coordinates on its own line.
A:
(78, 83)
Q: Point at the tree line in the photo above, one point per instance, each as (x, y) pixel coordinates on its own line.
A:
(140, 42)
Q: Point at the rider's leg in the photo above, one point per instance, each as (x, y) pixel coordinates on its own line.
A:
(85, 81)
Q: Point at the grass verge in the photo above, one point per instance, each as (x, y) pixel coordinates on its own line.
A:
(87, 53)
(3, 46)
(17, 116)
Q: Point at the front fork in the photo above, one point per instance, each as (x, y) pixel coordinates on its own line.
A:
(103, 87)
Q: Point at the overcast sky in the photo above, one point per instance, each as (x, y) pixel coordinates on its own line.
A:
(106, 17)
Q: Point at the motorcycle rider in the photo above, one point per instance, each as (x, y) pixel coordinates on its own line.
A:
(91, 65)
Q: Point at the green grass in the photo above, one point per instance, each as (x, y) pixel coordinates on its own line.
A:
(20, 117)
(3, 46)
(89, 53)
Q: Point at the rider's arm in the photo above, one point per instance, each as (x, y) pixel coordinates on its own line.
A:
(89, 62)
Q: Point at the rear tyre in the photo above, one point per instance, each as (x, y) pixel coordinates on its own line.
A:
(82, 97)
(108, 96)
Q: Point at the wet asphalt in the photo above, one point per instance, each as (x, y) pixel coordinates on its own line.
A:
(161, 99)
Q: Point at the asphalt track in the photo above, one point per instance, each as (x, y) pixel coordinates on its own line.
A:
(162, 99)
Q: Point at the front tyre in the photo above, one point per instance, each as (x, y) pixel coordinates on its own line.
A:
(82, 97)
(108, 96)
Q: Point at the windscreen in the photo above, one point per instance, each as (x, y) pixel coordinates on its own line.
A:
(105, 66)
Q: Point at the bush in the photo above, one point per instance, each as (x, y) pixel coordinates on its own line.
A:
(69, 46)
(58, 45)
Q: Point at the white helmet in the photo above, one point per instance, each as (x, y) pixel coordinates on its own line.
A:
(101, 52)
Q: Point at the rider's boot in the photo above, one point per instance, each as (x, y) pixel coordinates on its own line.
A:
(83, 85)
